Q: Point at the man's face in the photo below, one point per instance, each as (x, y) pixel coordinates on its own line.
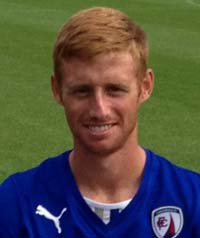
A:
(101, 100)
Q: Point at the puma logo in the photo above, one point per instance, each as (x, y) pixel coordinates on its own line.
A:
(56, 220)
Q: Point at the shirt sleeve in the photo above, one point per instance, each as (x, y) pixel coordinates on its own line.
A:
(196, 223)
(10, 215)
(195, 210)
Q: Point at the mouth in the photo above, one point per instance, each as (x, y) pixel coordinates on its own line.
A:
(99, 128)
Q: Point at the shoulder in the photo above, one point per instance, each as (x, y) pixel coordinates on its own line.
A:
(175, 175)
(43, 172)
(20, 189)
(177, 187)
(174, 179)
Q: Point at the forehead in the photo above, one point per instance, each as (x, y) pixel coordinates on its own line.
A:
(111, 66)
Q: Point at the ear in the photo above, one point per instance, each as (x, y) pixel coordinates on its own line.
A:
(146, 86)
(56, 89)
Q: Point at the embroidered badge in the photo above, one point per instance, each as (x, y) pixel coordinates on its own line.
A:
(56, 219)
(167, 222)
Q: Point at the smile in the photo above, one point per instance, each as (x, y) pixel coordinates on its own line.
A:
(100, 128)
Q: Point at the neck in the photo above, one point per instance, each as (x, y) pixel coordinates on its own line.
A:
(112, 178)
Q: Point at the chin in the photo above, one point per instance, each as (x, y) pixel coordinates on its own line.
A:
(102, 150)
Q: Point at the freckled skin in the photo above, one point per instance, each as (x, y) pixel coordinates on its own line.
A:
(102, 92)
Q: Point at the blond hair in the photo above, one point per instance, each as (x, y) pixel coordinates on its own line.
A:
(99, 30)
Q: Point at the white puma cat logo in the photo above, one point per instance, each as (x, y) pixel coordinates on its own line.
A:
(56, 220)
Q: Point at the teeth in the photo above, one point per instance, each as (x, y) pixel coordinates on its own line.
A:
(99, 128)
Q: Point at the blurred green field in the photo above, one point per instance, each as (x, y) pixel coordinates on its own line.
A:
(32, 125)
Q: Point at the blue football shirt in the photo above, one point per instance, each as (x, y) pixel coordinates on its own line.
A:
(45, 202)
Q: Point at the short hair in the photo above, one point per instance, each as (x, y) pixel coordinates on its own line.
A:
(99, 30)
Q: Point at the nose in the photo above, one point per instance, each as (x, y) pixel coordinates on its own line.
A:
(99, 105)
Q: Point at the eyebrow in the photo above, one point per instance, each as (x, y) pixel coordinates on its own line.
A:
(74, 87)
(118, 85)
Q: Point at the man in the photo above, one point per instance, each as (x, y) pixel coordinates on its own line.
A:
(107, 186)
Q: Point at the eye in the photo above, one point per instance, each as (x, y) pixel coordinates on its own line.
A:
(81, 91)
(116, 90)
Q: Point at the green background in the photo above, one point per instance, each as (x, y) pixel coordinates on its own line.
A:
(32, 125)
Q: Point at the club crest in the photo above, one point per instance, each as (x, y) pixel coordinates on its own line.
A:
(167, 222)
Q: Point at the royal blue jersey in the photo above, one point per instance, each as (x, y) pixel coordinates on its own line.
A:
(45, 202)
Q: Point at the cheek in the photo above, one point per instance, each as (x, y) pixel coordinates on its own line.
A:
(72, 121)
(73, 113)
(130, 105)
(130, 111)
